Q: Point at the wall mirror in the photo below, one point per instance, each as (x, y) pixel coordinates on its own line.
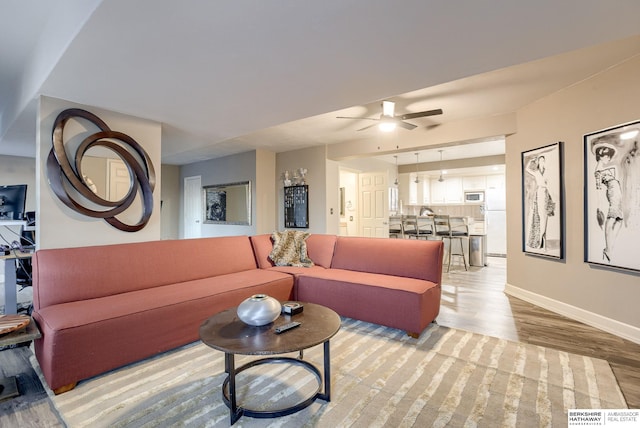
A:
(228, 203)
(106, 174)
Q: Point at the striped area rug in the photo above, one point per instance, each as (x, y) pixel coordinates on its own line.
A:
(380, 378)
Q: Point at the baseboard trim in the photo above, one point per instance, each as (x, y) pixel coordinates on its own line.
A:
(609, 325)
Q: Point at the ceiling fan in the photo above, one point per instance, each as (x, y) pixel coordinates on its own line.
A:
(388, 120)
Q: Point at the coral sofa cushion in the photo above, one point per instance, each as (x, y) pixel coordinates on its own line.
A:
(128, 267)
(409, 258)
(400, 302)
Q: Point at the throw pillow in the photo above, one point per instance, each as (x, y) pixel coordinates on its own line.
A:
(290, 249)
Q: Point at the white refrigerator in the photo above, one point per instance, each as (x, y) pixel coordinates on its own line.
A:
(495, 218)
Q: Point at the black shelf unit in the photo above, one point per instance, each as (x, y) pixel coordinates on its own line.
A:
(296, 207)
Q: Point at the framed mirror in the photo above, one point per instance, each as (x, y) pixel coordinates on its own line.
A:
(228, 203)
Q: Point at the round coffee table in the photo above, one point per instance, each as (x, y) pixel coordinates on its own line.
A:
(227, 333)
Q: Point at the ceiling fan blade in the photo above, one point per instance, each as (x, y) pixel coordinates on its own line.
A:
(359, 118)
(406, 125)
(420, 114)
(367, 127)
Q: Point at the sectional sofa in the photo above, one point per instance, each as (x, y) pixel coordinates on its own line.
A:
(103, 307)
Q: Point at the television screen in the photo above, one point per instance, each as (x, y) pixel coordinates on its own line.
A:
(12, 202)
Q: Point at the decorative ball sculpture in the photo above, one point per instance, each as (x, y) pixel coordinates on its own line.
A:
(259, 309)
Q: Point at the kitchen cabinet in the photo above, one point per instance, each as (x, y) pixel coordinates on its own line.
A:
(478, 182)
(438, 192)
(407, 192)
(453, 188)
(424, 191)
(495, 181)
(448, 191)
(412, 193)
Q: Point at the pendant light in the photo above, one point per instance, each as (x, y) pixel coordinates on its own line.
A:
(396, 182)
(441, 178)
(417, 180)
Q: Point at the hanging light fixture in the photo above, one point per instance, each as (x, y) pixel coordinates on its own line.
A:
(396, 182)
(417, 180)
(441, 178)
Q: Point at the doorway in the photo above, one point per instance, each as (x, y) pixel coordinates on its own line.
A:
(193, 207)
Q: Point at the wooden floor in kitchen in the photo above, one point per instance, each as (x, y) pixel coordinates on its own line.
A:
(474, 300)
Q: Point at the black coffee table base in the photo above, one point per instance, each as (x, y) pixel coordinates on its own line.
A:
(229, 385)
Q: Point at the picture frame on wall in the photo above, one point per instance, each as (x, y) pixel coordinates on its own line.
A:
(543, 201)
(612, 197)
(228, 203)
(215, 205)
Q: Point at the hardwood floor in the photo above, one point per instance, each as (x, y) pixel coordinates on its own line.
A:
(472, 300)
(475, 301)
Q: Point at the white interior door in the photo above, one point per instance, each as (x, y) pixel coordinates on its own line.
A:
(192, 207)
(374, 205)
(119, 180)
(118, 186)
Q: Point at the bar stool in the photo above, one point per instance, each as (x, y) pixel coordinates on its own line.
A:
(424, 227)
(396, 229)
(452, 228)
(409, 225)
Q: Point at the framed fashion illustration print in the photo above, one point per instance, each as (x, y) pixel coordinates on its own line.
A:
(612, 197)
(542, 202)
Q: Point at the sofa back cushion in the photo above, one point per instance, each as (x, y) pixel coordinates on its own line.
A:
(411, 258)
(319, 249)
(71, 274)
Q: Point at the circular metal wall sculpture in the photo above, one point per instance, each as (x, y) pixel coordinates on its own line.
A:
(60, 171)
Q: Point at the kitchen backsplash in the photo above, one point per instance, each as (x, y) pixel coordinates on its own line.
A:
(474, 211)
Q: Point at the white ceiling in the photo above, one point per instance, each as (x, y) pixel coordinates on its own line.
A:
(227, 77)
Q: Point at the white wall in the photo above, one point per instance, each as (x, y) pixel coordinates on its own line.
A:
(60, 226)
(333, 197)
(349, 180)
(605, 298)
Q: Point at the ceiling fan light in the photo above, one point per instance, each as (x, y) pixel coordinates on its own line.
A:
(386, 126)
(388, 108)
(629, 135)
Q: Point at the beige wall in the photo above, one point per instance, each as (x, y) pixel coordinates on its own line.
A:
(602, 297)
(60, 226)
(265, 191)
(170, 211)
(20, 170)
(314, 159)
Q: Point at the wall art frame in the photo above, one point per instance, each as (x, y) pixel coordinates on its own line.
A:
(228, 203)
(543, 201)
(296, 207)
(612, 197)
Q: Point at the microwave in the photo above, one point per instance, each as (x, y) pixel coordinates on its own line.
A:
(473, 197)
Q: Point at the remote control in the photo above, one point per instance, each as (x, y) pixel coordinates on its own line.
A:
(287, 326)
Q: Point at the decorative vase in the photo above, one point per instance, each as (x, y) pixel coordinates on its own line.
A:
(259, 309)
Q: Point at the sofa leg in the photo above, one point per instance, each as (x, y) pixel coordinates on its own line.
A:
(65, 388)
(413, 335)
